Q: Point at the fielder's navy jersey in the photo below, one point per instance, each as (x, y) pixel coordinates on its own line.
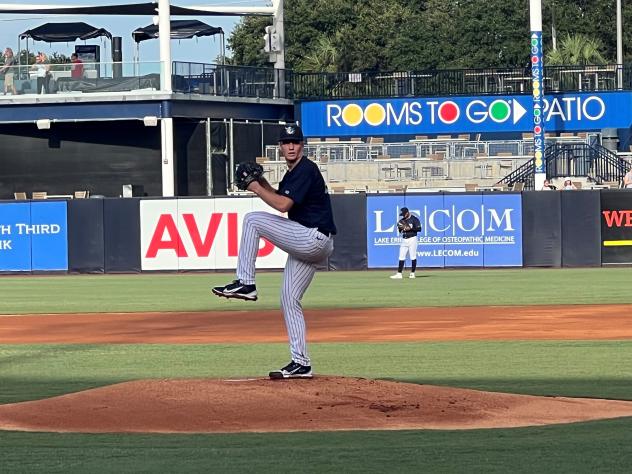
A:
(415, 225)
(304, 185)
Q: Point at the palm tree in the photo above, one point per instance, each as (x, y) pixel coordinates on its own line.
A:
(323, 56)
(576, 50)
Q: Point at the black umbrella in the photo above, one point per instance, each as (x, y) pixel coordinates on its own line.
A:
(180, 29)
(64, 32)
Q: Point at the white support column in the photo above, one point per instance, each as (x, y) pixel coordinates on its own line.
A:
(209, 159)
(168, 179)
(166, 124)
(164, 35)
(279, 63)
(231, 156)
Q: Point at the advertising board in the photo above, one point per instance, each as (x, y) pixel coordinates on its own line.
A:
(199, 234)
(33, 236)
(474, 230)
(409, 116)
(616, 226)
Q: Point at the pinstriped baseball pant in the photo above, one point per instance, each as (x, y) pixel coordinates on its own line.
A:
(305, 248)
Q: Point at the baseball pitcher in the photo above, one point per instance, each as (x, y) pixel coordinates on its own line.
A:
(306, 235)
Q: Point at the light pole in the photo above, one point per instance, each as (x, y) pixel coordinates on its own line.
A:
(619, 46)
(553, 30)
(537, 73)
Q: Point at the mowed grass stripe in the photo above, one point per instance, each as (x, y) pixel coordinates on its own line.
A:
(191, 292)
(600, 369)
(602, 446)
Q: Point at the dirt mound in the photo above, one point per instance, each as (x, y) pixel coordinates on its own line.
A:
(323, 403)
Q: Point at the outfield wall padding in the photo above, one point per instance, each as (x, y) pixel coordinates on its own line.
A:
(86, 248)
(567, 228)
(350, 242)
(122, 235)
(541, 229)
(581, 233)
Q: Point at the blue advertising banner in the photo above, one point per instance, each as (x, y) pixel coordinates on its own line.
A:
(15, 244)
(410, 116)
(49, 231)
(473, 230)
(33, 236)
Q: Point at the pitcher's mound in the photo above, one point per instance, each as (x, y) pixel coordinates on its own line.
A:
(322, 403)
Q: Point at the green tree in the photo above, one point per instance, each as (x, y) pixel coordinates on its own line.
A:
(592, 18)
(58, 58)
(322, 57)
(426, 38)
(494, 33)
(24, 59)
(576, 50)
(409, 35)
(246, 42)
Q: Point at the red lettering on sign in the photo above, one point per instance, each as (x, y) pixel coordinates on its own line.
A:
(167, 228)
(266, 249)
(166, 223)
(617, 218)
(202, 248)
(233, 226)
(232, 234)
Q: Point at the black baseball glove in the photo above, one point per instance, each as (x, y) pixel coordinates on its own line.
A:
(403, 226)
(246, 173)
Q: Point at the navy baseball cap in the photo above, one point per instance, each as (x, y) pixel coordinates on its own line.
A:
(403, 211)
(290, 133)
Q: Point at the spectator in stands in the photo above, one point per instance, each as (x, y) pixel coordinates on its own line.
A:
(43, 73)
(77, 67)
(7, 71)
(568, 184)
(547, 186)
(627, 180)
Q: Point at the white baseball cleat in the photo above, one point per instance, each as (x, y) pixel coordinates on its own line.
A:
(412, 275)
(397, 276)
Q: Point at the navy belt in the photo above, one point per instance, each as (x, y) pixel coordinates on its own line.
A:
(324, 232)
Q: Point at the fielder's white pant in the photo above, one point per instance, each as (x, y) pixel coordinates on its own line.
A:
(305, 248)
(409, 246)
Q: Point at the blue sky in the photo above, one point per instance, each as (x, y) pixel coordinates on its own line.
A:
(205, 49)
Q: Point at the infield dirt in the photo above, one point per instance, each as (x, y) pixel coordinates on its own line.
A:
(339, 325)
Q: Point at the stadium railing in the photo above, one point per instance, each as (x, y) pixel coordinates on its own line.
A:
(323, 86)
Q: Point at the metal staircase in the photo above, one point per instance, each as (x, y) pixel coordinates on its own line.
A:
(594, 162)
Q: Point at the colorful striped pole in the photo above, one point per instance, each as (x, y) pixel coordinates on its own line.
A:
(537, 74)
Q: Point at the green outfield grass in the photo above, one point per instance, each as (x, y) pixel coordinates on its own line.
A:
(587, 447)
(191, 292)
(570, 368)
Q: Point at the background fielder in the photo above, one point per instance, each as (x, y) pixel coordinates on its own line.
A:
(408, 225)
(306, 235)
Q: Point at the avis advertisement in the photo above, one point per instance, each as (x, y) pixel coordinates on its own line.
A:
(199, 234)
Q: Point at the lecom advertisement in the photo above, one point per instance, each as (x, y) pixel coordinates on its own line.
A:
(199, 234)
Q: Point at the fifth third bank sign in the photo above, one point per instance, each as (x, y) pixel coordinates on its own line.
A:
(477, 230)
